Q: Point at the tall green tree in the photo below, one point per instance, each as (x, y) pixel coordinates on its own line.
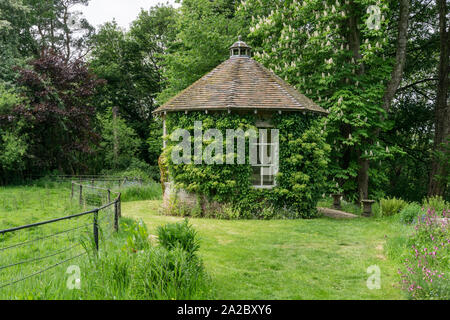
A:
(340, 54)
(58, 26)
(203, 31)
(440, 173)
(16, 42)
(130, 61)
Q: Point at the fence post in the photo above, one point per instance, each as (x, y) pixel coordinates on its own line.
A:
(71, 195)
(96, 229)
(109, 196)
(116, 216)
(120, 205)
(81, 195)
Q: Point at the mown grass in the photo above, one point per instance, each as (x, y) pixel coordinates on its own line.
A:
(290, 259)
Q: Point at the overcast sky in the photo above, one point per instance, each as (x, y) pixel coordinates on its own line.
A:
(124, 11)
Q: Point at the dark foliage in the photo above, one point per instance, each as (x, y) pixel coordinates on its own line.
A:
(58, 116)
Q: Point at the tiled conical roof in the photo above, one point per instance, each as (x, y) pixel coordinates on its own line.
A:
(240, 83)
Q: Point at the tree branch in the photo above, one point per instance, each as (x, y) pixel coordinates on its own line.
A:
(415, 83)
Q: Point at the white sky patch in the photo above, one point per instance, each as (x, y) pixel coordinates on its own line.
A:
(123, 11)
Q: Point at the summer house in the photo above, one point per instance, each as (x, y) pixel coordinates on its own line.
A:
(240, 86)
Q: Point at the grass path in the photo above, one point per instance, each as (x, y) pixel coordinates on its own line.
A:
(289, 259)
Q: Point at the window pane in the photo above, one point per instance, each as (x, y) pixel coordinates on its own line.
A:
(267, 175)
(268, 181)
(256, 176)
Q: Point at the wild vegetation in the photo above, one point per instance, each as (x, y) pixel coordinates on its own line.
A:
(127, 266)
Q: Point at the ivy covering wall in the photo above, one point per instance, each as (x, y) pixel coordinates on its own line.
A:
(225, 191)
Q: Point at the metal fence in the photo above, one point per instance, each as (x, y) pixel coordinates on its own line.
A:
(94, 179)
(29, 250)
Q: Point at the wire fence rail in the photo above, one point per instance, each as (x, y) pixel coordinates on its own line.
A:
(32, 249)
(93, 179)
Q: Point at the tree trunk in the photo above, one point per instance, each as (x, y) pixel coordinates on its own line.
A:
(400, 56)
(363, 177)
(354, 40)
(115, 111)
(439, 167)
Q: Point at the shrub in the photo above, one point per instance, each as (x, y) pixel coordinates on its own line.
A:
(410, 212)
(437, 203)
(391, 206)
(376, 209)
(137, 235)
(425, 273)
(142, 170)
(176, 207)
(179, 235)
(221, 211)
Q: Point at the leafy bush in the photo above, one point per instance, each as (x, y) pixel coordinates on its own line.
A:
(376, 209)
(437, 203)
(179, 235)
(142, 170)
(425, 272)
(391, 206)
(137, 235)
(410, 212)
(117, 131)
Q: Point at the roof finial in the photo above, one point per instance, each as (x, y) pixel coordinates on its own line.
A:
(240, 49)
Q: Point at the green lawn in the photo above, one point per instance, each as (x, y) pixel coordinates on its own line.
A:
(290, 259)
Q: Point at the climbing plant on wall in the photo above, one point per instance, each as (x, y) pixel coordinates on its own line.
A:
(301, 180)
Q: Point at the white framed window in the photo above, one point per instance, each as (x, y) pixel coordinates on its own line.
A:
(266, 166)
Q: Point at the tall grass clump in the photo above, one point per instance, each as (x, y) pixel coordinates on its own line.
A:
(391, 206)
(410, 212)
(150, 191)
(168, 274)
(138, 270)
(179, 235)
(437, 203)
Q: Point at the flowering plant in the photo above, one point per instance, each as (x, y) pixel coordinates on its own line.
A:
(426, 269)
